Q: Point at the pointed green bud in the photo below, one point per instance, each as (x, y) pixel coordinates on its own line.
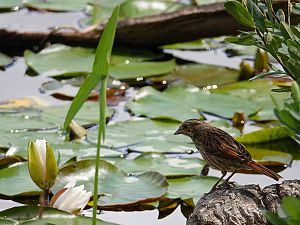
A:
(42, 164)
(261, 63)
(246, 71)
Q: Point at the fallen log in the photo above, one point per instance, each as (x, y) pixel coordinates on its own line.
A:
(232, 205)
(183, 25)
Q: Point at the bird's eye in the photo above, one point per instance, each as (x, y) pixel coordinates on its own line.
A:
(184, 126)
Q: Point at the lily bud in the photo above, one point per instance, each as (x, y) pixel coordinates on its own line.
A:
(71, 199)
(42, 164)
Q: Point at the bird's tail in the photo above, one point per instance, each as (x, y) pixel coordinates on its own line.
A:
(262, 169)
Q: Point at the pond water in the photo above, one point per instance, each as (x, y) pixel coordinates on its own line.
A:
(14, 84)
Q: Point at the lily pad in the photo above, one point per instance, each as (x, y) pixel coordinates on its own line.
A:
(190, 187)
(129, 9)
(264, 135)
(158, 162)
(15, 180)
(146, 135)
(200, 44)
(185, 102)
(116, 187)
(56, 5)
(29, 215)
(203, 75)
(8, 5)
(270, 157)
(61, 61)
(42, 118)
(258, 91)
(4, 59)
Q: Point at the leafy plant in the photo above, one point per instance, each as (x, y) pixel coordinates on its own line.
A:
(272, 31)
(290, 213)
(98, 74)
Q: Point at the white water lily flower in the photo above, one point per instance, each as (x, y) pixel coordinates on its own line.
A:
(42, 164)
(71, 199)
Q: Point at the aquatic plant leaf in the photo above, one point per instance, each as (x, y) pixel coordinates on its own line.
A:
(16, 180)
(167, 166)
(264, 135)
(129, 9)
(149, 136)
(29, 215)
(190, 187)
(56, 5)
(185, 102)
(116, 187)
(61, 61)
(257, 91)
(202, 75)
(8, 5)
(4, 59)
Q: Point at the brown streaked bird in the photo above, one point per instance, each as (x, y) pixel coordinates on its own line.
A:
(220, 150)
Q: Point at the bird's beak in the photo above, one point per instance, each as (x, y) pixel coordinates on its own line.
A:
(177, 132)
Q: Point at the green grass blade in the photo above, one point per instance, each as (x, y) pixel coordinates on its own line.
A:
(100, 67)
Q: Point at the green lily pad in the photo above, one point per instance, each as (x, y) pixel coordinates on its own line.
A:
(16, 180)
(181, 103)
(61, 61)
(150, 136)
(190, 187)
(264, 135)
(200, 44)
(7, 5)
(47, 117)
(4, 59)
(116, 187)
(128, 9)
(141, 8)
(29, 215)
(56, 5)
(258, 91)
(158, 162)
(203, 75)
(270, 157)
(207, 2)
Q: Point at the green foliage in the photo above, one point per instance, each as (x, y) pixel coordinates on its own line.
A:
(273, 32)
(291, 213)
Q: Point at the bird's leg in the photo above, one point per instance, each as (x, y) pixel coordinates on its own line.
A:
(216, 184)
(231, 175)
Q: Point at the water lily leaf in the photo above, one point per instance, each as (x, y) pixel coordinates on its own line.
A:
(15, 180)
(203, 75)
(158, 162)
(269, 157)
(150, 136)
(129, 9)
(141, 8)
(200, 44)
(29, 215)
(4, 59)
(257, 91)
(56, 5)
(181, 103)
(8, 5)
(207, 2)
(190, 187)
(116, 187)
(61, 61)
(42, 118)
(64, 150)
(264, 135)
